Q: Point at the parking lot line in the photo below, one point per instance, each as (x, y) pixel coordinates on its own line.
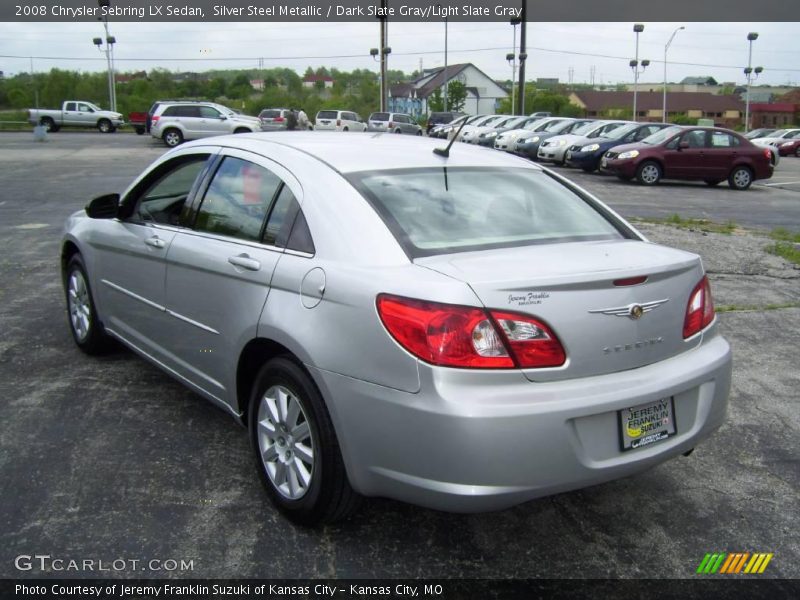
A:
(782, 183)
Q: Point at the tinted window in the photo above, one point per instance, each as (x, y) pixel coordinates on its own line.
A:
(280, 218)
(269, 114)
(326, 114)
(164, 198)
(237, 200)
(300, 238)
(209, 113)
(379, 117)
(70, 106)
(443, 210)
(181, 111)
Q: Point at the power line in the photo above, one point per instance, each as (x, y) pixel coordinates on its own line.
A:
(364, 55)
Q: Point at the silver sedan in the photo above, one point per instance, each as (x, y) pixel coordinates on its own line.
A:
(464, 332)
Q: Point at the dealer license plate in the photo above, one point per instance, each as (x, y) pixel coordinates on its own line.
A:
(604, 162)
(646, 424)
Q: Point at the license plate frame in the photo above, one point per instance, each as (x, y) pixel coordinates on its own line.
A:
(642, 425)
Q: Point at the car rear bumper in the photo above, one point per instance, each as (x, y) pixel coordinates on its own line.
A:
(472, 441)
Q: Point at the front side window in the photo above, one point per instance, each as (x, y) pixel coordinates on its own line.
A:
(165, 195)
(443, 210)
(209, 113)
(237, 200)
(695, 138)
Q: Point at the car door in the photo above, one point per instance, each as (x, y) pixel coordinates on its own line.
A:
(212, 122)
(131, 252)
(684, 155)
(219, 273)
(722, 150)
(69, 116)
(85, 115)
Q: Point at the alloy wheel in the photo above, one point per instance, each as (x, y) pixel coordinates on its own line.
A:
(741, 178)
(80, 309)
(285, 442)
(649, 174)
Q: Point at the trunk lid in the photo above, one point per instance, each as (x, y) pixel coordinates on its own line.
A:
(570, 287)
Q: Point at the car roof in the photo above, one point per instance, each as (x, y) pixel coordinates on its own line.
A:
(369, 151)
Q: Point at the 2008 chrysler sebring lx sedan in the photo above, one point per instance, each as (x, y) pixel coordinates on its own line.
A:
(463, 332)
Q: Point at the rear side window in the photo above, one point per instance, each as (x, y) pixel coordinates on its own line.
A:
(237, 200)
(444, 210)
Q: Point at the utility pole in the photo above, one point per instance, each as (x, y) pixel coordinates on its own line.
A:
(445, 64)
(382, 46)
(522, 56)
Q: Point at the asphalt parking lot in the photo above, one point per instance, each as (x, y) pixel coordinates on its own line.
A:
(110, 458)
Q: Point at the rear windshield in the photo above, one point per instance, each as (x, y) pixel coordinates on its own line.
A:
(327, 114)
(440, 210)
(269, 114)
(379, 117)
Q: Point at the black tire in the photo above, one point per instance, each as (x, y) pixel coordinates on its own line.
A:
(86, 328)
(713, 182)
(345, 129)
(797, 151)
(327, 496)
(397, 131)
(242, 130)
(140, 131)
(105, 126)
(740, 178)
(419, 131)
(48, 124)
(649, 173)
(172, 137)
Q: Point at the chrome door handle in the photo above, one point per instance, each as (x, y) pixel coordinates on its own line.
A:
(245, 262)
(155, 242)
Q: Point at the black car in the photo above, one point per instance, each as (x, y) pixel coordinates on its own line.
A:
(438, 118)
(587, 155)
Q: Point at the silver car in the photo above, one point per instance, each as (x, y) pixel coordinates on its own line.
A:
(175, 122)
(389, 122)
(463, 332)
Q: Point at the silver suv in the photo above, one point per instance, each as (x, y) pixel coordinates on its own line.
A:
(178, 121)
(393, 123)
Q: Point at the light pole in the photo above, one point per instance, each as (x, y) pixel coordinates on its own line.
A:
(637, 29)
(751, 37)
(664, 103)
(636, 72)
(445, 64)
(110, 41)
(512, 59)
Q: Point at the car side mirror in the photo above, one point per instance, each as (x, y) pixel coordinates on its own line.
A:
(103, 207)
(223, 118)
(683, 145)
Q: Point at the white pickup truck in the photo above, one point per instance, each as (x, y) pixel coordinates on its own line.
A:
(76, 113)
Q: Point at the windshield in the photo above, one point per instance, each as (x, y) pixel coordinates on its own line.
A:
(619, 132)
(779, 133)
(662, 136)
(441, 210)
(94, 107)
(588, 128)
(512, 122)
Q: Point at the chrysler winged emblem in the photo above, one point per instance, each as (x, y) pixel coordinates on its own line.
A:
(632, 311)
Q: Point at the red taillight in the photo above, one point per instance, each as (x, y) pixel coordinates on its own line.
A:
(155, 119)
(768, 154)
(391, 124)
(462, 336)
(338, 122)
(630, 281)
(699, 310)
(279, 119)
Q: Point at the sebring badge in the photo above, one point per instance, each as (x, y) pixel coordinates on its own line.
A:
(632, 311)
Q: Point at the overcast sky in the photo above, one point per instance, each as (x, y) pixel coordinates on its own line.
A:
(605, 46)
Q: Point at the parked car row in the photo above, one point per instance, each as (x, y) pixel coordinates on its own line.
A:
(646, 152)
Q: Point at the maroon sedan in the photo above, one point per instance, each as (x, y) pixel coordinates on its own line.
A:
(708, 154)
(790, 148)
